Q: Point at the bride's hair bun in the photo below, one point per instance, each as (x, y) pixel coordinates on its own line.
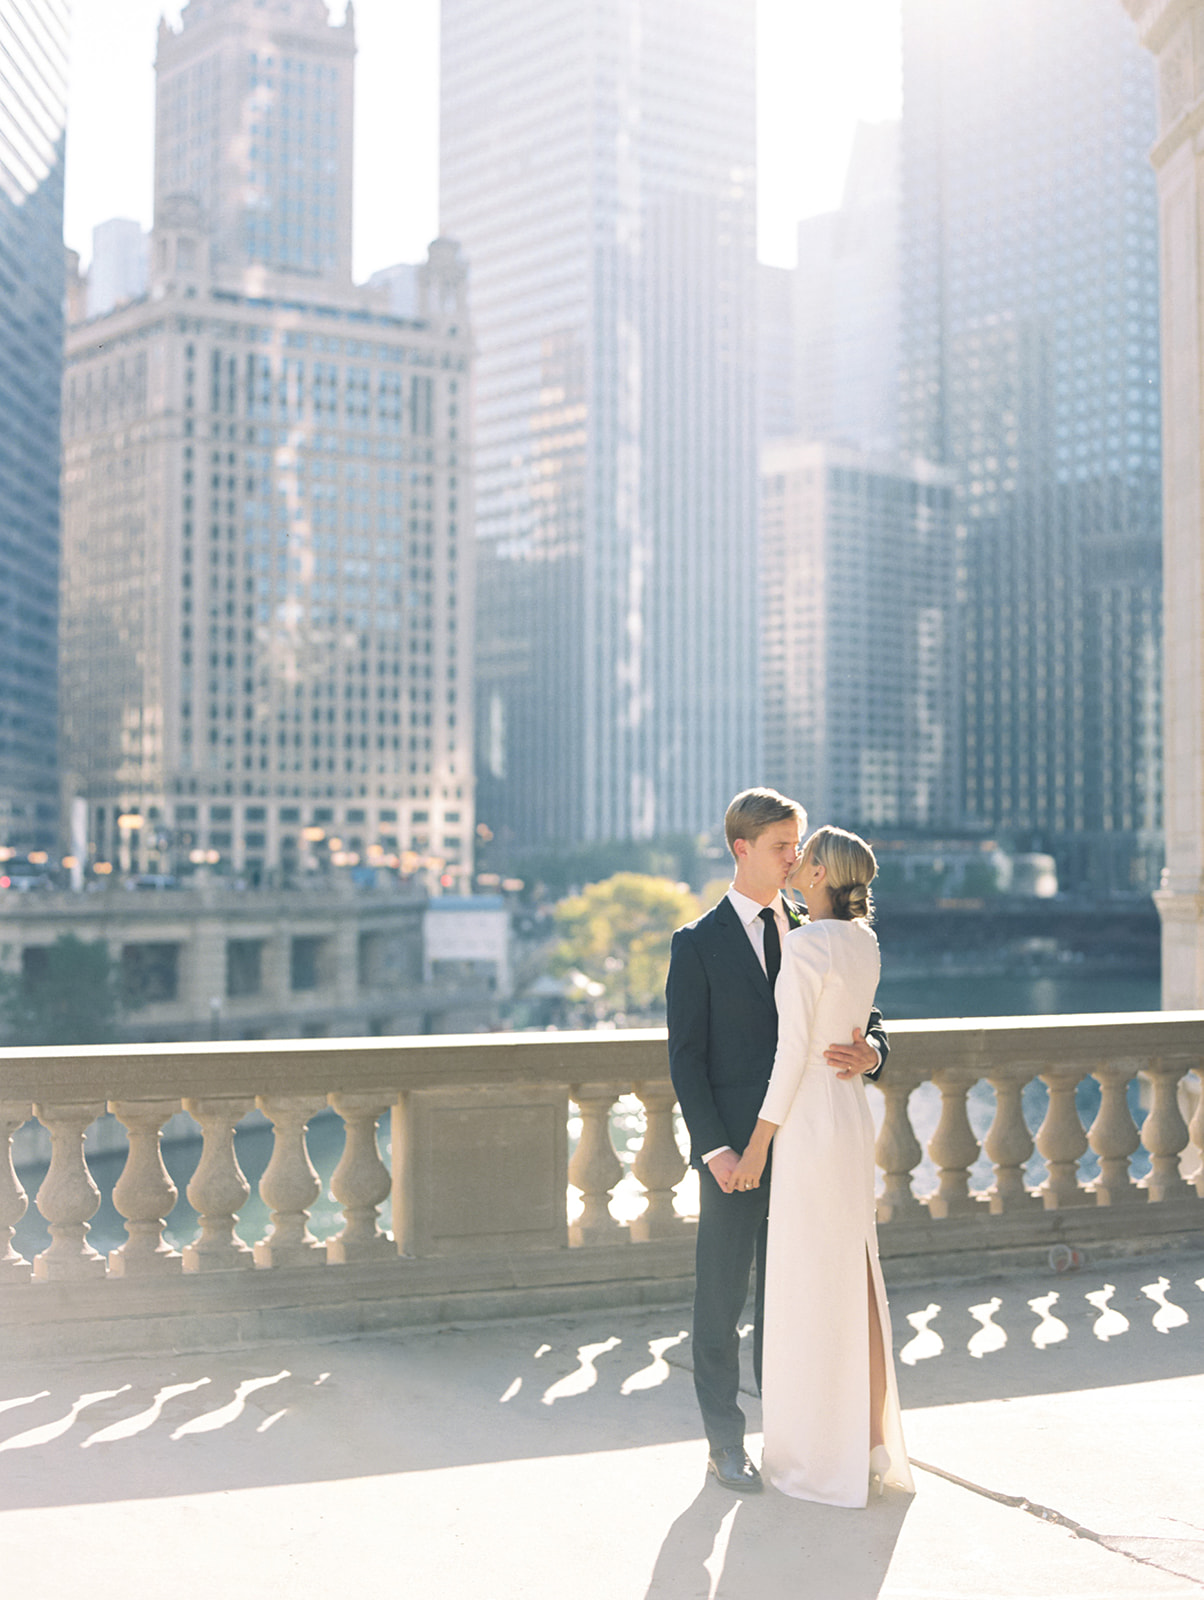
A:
(850, 866)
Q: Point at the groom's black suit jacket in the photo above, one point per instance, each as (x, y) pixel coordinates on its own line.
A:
(723, 1029)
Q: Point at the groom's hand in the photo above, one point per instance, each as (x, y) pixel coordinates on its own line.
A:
(851, 1060)
(721, 1168)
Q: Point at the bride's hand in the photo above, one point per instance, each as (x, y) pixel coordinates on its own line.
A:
(748, 1170)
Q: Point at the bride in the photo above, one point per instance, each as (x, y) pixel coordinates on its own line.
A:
(829, 1399)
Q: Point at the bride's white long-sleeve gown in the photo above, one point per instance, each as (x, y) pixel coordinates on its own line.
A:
(816, 1374)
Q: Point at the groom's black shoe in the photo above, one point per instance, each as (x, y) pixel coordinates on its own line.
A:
(734, 1470)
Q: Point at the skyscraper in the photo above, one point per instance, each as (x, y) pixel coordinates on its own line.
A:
(775, 352)
(858, 635)
(117, 271)
(267, 605)
(597, 165)
(846, 303)
(253, 118)
(33, 71)
(1031, 368)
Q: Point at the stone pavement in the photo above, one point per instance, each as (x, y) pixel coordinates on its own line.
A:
(1057, 1443)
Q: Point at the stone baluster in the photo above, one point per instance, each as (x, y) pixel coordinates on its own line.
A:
(1008, 1142)
(1061, 1140)
(1196, 1133)
(218, 1189)
(68, 1198)
(898, 1151)
(658, 1165)
(14, 1202)
(360, 1182)
(595, 1168)
(1113, 1135)
(1164, 1132)
(953, 1146)
(290, 1184)
(144, 1193)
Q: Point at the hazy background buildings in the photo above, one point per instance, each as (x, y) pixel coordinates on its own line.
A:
(985, 300)
(33, 71)
(267, 597)
(859, 635)
(1031, 369)
(119, 266)
(845, 304)
(933, 612)
(598, 167)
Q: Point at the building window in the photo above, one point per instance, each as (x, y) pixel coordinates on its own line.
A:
(305, 963)
(244, 967)
(150, 972)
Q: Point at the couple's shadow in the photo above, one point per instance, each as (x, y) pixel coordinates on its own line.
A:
(724, 1547)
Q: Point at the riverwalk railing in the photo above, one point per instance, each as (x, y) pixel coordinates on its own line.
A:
(480, 1168)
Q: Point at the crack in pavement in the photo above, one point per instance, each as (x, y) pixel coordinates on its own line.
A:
(1112, 1542)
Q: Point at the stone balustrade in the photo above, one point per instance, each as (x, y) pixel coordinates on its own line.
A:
(480, 1169)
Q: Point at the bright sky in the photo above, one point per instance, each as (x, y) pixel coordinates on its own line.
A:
(823, 67)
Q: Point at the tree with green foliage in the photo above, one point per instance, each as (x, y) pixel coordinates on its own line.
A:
(68, 995)
(618, 932)
(553, 873)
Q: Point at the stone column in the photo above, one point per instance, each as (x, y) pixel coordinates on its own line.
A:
(659, 1165)
(290, 1185)
(68, 1198)
(277, 995)
(144, 1193)
(345, 957)
(360, 1182)
(204, 975)
(218, 1189)
(595, 1168)
(1174, 31)
(14, 1202)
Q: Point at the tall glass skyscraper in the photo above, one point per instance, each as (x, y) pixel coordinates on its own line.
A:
(597, 166)
(846, 303)
(33, 71)
(865, 736)
(1031, 369)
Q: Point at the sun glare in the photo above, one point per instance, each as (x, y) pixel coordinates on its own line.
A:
(821, 70)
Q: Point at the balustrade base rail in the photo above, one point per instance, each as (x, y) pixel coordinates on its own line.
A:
(231, 1309)
(932, 1250)
(227, 1310)
(479, 1166)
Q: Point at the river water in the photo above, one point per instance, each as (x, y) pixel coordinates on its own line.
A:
(1068, 994)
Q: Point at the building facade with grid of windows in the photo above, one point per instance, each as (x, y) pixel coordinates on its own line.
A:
(267, 598)
(254, 106)
(33, 90)
(858, 640)
(597, 165)
(1031, 369)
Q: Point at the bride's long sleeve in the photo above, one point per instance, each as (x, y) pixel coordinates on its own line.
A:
(806, 959)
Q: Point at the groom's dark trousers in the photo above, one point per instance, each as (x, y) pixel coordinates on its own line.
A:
(723, 1032)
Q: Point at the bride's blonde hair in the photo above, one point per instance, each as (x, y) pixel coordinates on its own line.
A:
(850, 865)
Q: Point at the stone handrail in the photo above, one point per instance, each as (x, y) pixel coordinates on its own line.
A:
(480, 1166)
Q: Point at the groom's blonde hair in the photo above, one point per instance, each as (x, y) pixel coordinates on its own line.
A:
(754, 810)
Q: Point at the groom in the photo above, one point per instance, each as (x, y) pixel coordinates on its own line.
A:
(723, 1031)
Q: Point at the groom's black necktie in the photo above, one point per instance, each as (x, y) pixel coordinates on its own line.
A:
(773, 946)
